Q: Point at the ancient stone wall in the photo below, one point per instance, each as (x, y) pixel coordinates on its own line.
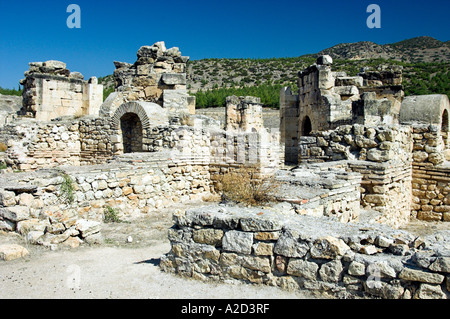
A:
(158, 76)
(358, 142)
(386, 188)
(320, 190)
(51, 91)
(320, 107)
(243, 113)
(34, 203)
(289, 124)
(261, 246)
(431, 174)
(381, 154)
(78, 142)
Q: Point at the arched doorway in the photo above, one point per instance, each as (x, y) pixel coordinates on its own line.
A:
(306, 126)
(445, 128)
(131, 128)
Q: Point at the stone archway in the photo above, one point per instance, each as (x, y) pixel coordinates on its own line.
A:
(132, 121)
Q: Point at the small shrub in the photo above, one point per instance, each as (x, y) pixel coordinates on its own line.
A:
(66, 189)
(248, 186)
(3, 147)
(111, 215)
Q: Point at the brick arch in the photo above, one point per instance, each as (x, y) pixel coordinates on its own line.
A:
(141, 109)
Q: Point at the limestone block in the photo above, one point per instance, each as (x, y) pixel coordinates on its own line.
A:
(421, 276)
(329, 248)
(12, 251)
(288, 246)
(237, 241)
(331, 271)
(427, 291)
(87, 227)
(174, 78)
(53, 64)
(302, 268)
(15, 213)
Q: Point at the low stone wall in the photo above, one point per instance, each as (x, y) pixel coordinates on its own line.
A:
(134, 185)
(301, 252)
(385, 187)
(321, 190)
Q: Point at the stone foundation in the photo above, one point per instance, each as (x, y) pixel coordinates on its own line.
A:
(133, 185)
(292, 252)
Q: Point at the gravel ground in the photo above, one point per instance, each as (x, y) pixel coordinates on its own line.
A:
(119, 269)
(116, 269)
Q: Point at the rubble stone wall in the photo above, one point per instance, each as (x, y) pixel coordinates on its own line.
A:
(158, 76)
(302, 252)
(134, 186)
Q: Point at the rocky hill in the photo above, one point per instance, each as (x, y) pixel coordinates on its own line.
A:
(419, 49)
(425, 62)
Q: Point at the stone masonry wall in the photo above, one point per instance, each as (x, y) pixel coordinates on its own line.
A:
(243, 113)
(34, 204)
(301, 252)
(51, 91)
(158, 76)
(382, 155)
(78, 142)
(430, 175)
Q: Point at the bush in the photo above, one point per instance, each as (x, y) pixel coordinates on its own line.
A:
(3, 147)
(111, 215)
(66, 189)
(247, 186)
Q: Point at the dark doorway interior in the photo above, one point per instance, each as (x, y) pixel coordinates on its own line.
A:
(131, 127)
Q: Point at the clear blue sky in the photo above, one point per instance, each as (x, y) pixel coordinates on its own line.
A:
(114, 30)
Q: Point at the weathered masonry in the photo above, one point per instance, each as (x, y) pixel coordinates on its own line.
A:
(399, 144)
(282, 249)
(50, 90)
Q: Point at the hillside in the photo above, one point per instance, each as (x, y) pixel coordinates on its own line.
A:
(425, 64)
(415, 50)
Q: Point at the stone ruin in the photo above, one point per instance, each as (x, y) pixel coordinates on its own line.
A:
(50, 91)
(352, 154)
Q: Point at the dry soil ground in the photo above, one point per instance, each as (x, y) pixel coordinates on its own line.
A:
(116, 269)
(120, 269)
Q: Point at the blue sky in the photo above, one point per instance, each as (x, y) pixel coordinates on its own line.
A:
(114, 30)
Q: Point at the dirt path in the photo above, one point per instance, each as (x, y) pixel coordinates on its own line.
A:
(115, 269)
(120, 269)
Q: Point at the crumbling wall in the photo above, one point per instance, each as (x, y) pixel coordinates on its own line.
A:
(50, 91)
(243, 113)
(34, 204)
(289, 129)
(382, 154)
(320, 107)
(158, 76)
(78, 142)
(261, 246)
